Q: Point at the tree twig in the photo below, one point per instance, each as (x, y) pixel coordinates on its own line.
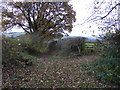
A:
(110, 11)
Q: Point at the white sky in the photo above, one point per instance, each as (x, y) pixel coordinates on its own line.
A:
(83, 11)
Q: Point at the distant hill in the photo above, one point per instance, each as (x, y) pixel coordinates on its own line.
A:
(88, 38)
(16, 34)
(12, 34)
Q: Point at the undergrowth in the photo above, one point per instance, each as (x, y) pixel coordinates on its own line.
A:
(107, 68)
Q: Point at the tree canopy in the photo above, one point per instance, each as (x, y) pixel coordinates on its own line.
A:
(43, 18)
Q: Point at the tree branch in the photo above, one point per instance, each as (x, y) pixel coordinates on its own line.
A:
(110, 11)
(25, 16)
(23, 28)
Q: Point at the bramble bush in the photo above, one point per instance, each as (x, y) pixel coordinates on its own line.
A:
(10, 49)
(33, 48)
(15, 50)
(107, 68)
(69, 46)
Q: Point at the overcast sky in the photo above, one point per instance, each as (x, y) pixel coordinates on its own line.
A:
(83, 10)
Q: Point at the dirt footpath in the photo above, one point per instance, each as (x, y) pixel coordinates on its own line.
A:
(52, 74)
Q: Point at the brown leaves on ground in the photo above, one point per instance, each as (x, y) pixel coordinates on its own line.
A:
(53, 73)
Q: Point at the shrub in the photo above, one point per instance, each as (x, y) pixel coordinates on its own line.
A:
(52, 45)
(107, 69)
(33, 48)
(10, 49)
(111, 63)
(70, 45)
(13, 50)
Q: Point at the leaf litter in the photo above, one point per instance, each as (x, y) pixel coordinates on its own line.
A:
(51, 74)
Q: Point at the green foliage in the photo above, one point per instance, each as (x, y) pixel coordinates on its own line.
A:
(10, 49)
(106, 69)
(76, 47)
(104, 72)
(52, 45)
(27, 56)
(31, 58)
(33, 48)
(68, 46)
(16, 50)
(54, 58)
(58, 57)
